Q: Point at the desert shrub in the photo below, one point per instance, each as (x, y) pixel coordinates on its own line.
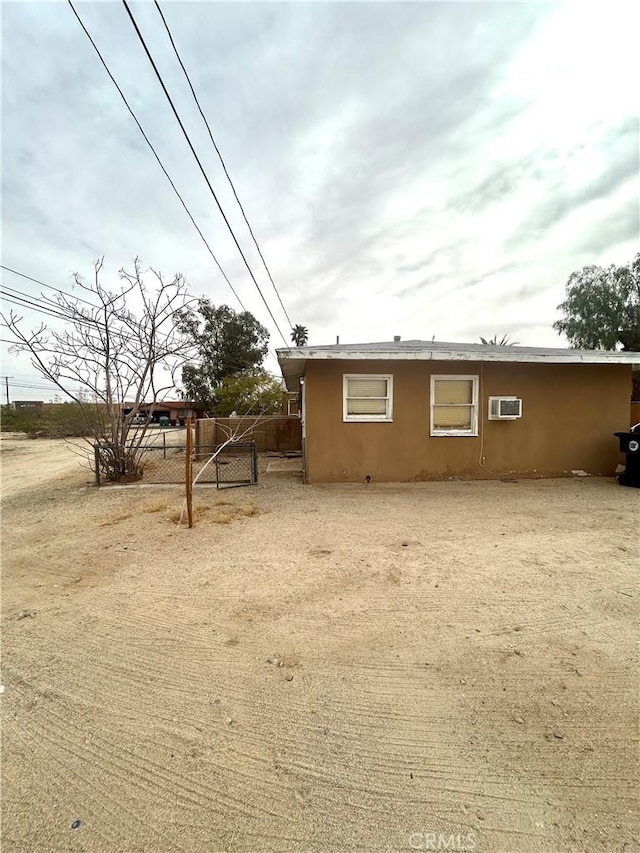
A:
(19, 420)
(52, 420)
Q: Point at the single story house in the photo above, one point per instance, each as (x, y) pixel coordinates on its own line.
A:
(420, 410)
(38, 405)
(177, 411)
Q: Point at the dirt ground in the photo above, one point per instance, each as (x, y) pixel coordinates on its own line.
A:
(415, 667)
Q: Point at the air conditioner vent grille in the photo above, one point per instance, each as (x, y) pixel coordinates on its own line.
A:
(510, 408)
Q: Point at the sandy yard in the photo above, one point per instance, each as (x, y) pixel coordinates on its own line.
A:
(336, 668)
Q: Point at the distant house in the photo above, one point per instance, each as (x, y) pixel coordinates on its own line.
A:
(177, 412)
(36, 405)
(418, 410)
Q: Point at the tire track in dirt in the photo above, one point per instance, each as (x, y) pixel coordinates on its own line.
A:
(58, 723)
(135, 771)
(67, 779)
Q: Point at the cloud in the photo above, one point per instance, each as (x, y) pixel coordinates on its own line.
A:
(408, 168)
(614, 161)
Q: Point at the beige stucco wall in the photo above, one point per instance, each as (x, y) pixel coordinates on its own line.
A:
(569, 415)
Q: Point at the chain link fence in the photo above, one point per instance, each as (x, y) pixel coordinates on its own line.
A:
(235, 464)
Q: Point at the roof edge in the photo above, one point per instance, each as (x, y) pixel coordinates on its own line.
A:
(462, 353)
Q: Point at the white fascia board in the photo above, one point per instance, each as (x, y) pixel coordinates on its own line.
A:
(508, 355)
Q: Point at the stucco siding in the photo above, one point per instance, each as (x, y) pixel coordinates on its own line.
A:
(569, 414)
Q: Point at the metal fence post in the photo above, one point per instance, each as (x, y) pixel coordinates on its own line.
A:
(96, 456)
(164, 445)
(188, 473)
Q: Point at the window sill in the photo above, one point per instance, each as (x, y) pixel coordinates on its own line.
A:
(353, 420)
(452, 434)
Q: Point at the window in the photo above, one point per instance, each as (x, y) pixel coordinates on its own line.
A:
(367, 397)
(454, 405)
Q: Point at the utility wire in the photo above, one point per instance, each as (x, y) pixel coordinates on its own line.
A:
(33, 386)
(49, 286)
(27, 303)
(39, 306)
(57, 307)
(213, 142)
(44, 305)
(197, 159)
(41, 300)
(50, 308)
(155, 154)
(79, 319)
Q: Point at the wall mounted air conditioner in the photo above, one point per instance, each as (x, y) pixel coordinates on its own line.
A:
(504, 408)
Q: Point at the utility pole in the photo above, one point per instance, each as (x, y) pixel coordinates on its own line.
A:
(6, 381)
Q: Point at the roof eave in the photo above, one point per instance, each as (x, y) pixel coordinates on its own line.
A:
(507, 355)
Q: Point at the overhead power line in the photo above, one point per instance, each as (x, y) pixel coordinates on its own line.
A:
(53, 309)
(46, 306)
(55, 306)
(197, 159)
(34, 386)
(213, 142)
(49, 309)
(43, 306)
(48, 286)
(24, 302)
(42, 300)
(155, 154)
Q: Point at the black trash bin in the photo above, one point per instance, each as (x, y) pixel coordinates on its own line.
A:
(630, 446)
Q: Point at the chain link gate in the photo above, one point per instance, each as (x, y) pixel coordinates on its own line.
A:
(235, 465)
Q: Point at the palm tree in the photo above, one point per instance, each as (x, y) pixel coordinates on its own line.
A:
(503, 342)
(300, 335)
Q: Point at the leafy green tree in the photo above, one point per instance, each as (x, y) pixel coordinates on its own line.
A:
(505, 341)
(249, 393)
(300, 335)
(227, 343)
(602, 308)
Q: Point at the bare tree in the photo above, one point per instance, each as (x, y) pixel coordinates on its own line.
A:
(115, 354)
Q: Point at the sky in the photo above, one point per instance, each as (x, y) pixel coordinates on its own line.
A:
(415, 169)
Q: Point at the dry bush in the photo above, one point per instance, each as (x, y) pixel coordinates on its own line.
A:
(221, 512)
(225, 512)
(155, 506)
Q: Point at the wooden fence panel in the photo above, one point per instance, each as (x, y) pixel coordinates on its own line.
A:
(272, 432)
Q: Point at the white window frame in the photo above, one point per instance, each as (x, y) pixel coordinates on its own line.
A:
(388, 418)
(474, 405)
